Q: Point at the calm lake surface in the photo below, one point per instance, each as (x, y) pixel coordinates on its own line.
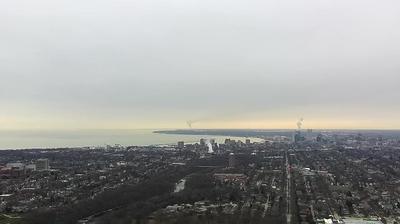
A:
(23, 139)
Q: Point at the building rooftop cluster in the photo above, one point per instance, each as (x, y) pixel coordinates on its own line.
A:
(318, 178)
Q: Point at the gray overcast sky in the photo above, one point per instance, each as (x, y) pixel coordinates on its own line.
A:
(228, 63)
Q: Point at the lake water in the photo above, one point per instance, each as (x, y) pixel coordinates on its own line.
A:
(78, 138)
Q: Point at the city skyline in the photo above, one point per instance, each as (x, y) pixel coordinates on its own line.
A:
(199, 111)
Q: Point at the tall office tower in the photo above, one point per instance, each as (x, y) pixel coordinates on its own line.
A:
(202, 142)
(42, 164)
(232, 160)
(212, 141)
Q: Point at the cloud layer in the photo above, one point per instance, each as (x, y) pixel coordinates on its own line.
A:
(158, 63)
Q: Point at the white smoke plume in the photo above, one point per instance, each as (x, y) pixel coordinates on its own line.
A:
(191, 122)
(300, 123)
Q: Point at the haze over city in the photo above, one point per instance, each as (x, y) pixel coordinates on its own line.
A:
(227, 64)
(199, 112)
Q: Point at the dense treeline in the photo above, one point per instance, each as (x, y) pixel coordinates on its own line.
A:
(129, 196)
(199, 186)
(136, 202)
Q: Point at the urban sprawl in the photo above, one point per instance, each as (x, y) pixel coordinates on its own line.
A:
(327, 177)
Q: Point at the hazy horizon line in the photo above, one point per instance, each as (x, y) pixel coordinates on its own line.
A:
(194, 129)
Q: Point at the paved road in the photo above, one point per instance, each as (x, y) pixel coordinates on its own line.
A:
(288, 182)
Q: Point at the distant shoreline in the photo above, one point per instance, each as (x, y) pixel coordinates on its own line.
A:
(60, 139)
(263, 133)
